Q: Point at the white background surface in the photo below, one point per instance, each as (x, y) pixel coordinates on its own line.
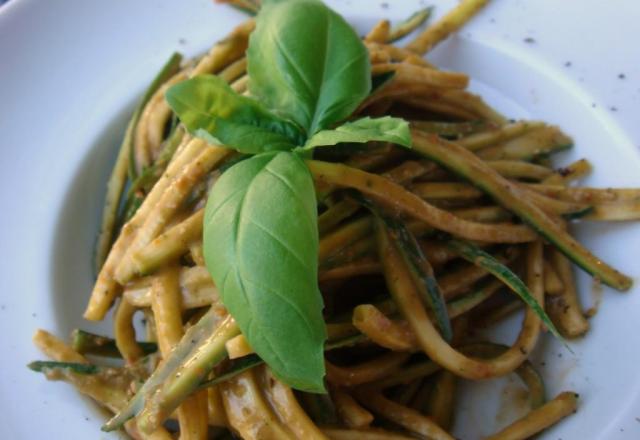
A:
(70, 70)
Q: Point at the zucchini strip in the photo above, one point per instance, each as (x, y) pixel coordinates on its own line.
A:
(237, 367)
(73, 367)
(106, 288)
(515, 169)
(186, 378)
(245, 363)
(553, 285)
(614, 212)
(170, 245)
(535, 279)
(240, 85)
(405, 295)
(484, 214)
(196, 337)
(407, 374)
(409, 73)
(226, 51)
(588, 195)
(474, 104)
(456, 103)
(365, 372)
(438, 103)
(356, 252)
(445, 26)
(404, 201)
(349, 410)
(54, 348)
(396, 54)
(363, 267)
(151, 127)
(408, 25)
(406, 417)
(381, 330)
(407, 171)
(456, 191)
(248, 411)
(437, 252)
(532, 144)
(565, 308)
(551, 206)
(150, 175)
(458, 282)
(88, 343)
(379, 33)
(419, 268)
(102, 392)
(196, 287)
(167, 205)
(167, 309)
(238, 347)
(505, 133)
(446, 191)
(196, 253)
(468, 166)
(116, 183)
(346, 235)
(234, 70)
(465, 303)
(422, 275)
(169, 69)
(448, 129)
(563, 405)
(335, 214)
(110, 394)
(287, 408)
(573, 171)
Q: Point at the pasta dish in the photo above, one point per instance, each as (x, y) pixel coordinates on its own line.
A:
(305, 230)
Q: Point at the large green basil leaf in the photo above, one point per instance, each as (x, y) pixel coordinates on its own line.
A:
(308, 64)
(261, 248)
(386, 129)
(210, 109)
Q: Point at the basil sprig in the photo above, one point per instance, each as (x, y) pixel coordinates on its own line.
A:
(308, 70)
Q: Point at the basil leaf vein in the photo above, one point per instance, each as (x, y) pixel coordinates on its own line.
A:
(261, 248)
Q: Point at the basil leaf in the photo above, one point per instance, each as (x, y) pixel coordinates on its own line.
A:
(261, 248)
(212, 110)
(387, 129)
(307, 63)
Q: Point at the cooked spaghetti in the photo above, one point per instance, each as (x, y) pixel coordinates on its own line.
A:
(418, 248)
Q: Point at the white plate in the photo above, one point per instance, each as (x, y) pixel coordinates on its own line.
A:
(70, 71)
